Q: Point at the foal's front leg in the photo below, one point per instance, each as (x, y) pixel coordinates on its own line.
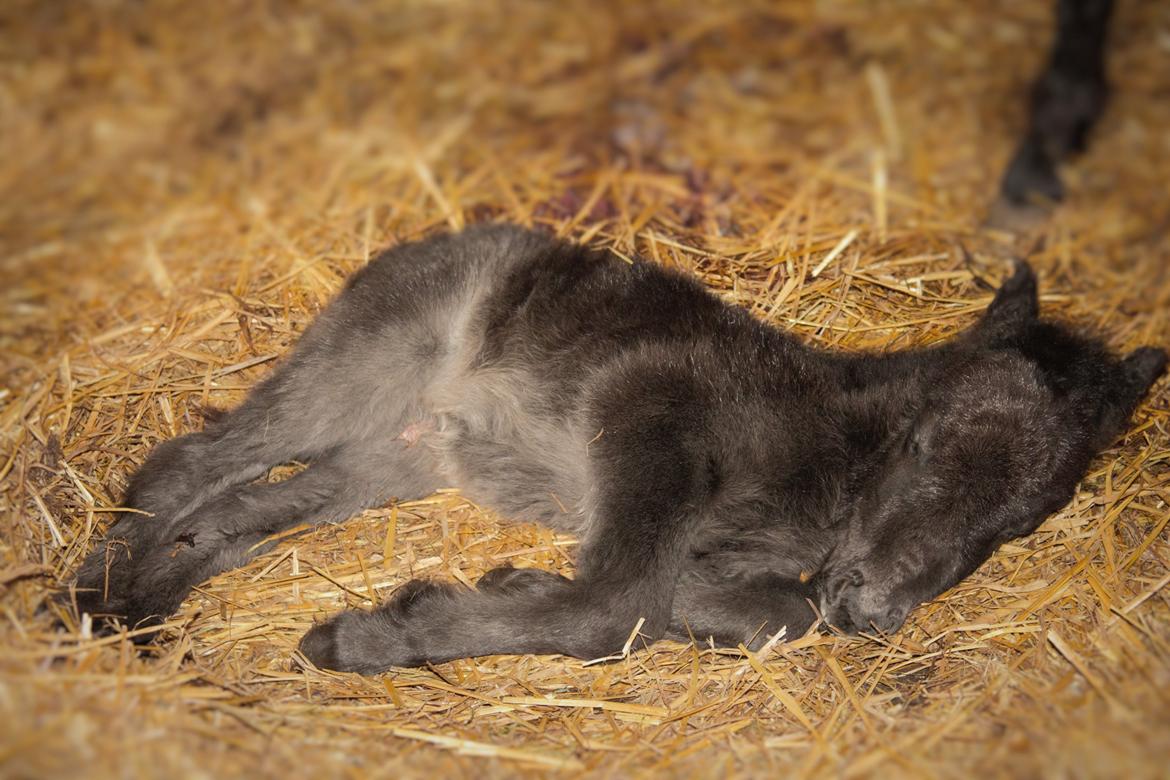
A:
(746, 611)
(627, 570)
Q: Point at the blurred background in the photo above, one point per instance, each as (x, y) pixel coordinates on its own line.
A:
(183, 185)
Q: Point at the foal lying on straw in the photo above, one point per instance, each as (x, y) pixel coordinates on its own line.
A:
(706, 459)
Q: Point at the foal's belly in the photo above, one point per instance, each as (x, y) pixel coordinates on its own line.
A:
(502, 456)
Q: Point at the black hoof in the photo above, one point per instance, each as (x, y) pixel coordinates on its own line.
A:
(320, 645)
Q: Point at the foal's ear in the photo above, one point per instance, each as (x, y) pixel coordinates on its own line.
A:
(1136, 374)
(1015, 304)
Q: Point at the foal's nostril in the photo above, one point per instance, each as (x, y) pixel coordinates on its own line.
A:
(891, 621)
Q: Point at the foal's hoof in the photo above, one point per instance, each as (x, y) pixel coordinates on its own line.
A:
(320, 645)
(395, 634)
(351, 641)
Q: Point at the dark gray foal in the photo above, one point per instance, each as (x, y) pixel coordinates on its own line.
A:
(707, 460)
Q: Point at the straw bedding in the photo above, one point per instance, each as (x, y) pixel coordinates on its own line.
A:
(186, 184)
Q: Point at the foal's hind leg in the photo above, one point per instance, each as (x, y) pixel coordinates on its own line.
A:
(229, 529)
(316, 404)
(178, 477)
(181, 473)
(358, 373)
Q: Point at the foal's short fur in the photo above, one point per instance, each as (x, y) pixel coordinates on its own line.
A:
(706, 459)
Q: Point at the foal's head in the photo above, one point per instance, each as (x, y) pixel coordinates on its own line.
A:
(998, 443)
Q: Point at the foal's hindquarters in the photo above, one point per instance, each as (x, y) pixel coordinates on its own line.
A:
(347, 401)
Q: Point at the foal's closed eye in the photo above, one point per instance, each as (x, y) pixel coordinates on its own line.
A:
(917, 443)
(912, 445)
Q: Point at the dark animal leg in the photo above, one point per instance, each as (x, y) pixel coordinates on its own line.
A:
(327, 403)
(1067, 98)
(229, 529)
(747, 611)
(627, 570)
(296, 414)
(179, 475)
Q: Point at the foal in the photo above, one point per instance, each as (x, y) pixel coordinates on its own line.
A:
(708, 461)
